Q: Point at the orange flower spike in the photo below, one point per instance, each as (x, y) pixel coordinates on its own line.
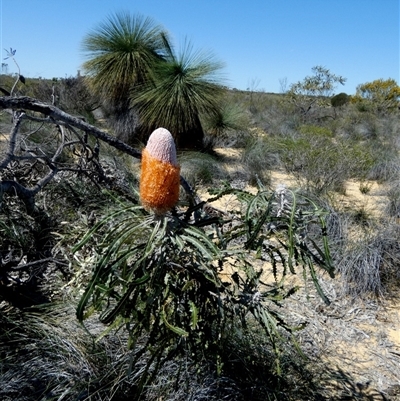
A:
(160, 173)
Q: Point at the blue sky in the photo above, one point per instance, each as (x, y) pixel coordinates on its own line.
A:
(262, 43)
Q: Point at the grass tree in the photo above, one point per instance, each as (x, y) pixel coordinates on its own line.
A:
(121, 54)
(186, 86)
(221, 126)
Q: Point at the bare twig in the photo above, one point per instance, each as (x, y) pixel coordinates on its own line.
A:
(12, 141)
(27, 103)
(25, 266)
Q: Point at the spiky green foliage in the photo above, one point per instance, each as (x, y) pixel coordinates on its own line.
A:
(201, 168)
(230, 121)
(186, 280)
(230, 116)
(122, 52)
(185, 86)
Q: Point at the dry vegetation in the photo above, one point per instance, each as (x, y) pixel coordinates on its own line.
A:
(345, 159)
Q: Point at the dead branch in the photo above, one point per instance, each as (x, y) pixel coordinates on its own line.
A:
(12, 141)
(28, 103)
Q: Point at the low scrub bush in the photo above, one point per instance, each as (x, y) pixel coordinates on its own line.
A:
(393, 195)
(370, 264)
(185, 281)
(201, 168)
(320, 163)
(47, 354)
(259, 157)
(225, 127)
(386, 164)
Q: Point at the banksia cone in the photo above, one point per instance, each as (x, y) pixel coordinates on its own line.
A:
(160, 173)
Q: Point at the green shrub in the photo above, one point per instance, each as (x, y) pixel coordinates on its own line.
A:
(320, 163)
(223, 125)
(364, 107)
(340, 99)
(259, 157)
(381, 96)
(185, 281)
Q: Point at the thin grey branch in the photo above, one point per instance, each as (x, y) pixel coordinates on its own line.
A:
(28, 103)
(12, 141)
(15, 188)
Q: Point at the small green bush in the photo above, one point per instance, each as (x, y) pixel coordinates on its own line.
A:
(259, 157)
(315, 132)
(185, 281)
(340, 99)
(320, 163)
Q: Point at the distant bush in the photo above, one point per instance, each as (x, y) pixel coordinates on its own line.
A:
(259, 158)
(340, 99)
(381, 96)
(314, 90)
(70, 94)
(319, 162)
(230, 118)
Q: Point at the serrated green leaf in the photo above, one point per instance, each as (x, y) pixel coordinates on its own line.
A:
(204, 250)
(317, 285)
(176, 330)
(194, 315)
